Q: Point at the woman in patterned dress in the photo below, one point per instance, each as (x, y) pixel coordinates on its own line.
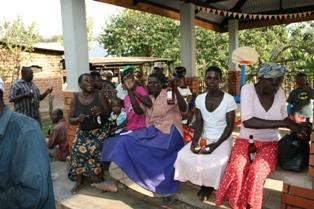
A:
(88, 109)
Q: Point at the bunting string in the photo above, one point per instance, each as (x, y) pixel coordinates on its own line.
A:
(250, 16)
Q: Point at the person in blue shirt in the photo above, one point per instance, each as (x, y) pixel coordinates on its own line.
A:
(25, 178)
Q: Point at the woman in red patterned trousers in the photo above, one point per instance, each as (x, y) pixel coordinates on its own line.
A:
(254, 155)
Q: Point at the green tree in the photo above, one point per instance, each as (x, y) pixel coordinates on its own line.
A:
(133, 33)
(298, 54)
(16, 38)
(211, 49)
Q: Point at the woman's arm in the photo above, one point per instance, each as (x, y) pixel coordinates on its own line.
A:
(105, 105)
(181, 102)
(145, 100)
(198, 128)
(72, 119)
(225, 135)
(258, 123)
(135, 105)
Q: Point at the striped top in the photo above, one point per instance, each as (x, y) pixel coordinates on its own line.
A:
(28, 106)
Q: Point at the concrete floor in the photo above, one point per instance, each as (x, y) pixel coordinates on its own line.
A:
(91, 198)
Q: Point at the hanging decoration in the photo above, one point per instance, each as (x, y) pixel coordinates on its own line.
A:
(247, 16)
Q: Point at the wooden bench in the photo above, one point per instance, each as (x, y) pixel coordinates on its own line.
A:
(297, 191)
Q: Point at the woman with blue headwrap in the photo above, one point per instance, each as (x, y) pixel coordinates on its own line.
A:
(263, 111)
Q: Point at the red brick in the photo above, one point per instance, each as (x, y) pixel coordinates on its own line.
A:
(297, 201)
(285, 188)
(292, 207)
(301, 192)
(283, 206)
(311, 160)
(311, 171)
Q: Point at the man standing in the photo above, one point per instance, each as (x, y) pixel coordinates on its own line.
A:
(300, 99)
(24, 164)
(26, 95)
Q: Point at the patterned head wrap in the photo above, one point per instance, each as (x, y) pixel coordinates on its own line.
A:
(271, 70)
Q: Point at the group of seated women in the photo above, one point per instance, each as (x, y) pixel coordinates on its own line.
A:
(151, 150)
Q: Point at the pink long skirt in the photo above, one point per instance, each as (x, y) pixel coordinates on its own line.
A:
(243, 181)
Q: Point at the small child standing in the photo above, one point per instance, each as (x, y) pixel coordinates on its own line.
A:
(117, 118)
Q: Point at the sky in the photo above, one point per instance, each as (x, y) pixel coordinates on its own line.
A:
(47, 14)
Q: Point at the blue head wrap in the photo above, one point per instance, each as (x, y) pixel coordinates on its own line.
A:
(271, 70)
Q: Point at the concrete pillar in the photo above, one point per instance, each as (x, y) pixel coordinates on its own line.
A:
(75, 41)
(187, 37)
(233, 41)
(233, 72)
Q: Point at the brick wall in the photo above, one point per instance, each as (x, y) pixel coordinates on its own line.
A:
(311, 164)
(49, 75)
(234, 82)
(194, 84)
(71, 128)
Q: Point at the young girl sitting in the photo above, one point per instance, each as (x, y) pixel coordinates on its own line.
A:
(117, 118)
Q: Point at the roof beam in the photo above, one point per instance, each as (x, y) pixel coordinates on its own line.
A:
(237, 8)
(159, 10)
(258, 24)
(290, 10)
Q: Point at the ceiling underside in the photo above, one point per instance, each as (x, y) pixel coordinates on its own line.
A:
(214, 14)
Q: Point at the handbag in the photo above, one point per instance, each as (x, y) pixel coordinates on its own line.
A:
(293, 152)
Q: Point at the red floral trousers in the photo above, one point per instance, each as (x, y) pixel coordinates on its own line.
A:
(243, 180)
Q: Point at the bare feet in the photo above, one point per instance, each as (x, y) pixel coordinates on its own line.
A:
(106, 186)
(76, 188)
(204, 193)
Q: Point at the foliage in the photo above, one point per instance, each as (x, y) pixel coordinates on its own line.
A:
(211, 49)
(15, 38)
(133, 33)
(55, 38)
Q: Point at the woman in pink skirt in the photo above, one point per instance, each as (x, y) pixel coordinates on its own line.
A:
(254, 155)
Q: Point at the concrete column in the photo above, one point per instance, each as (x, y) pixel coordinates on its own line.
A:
(233, 40)
(233, 73)
(75, 41)
(187, 37)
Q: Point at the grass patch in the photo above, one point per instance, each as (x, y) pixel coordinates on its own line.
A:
(47, 124)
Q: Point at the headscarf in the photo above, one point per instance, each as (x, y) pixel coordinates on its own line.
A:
(1, 85)
(271, 70)
(127, 70)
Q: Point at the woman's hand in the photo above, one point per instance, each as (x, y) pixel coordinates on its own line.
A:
(195, 148)
(96, 110)
(81, 118)
(300, 129)
(252, 148)
(208, 149)
(129, 84)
